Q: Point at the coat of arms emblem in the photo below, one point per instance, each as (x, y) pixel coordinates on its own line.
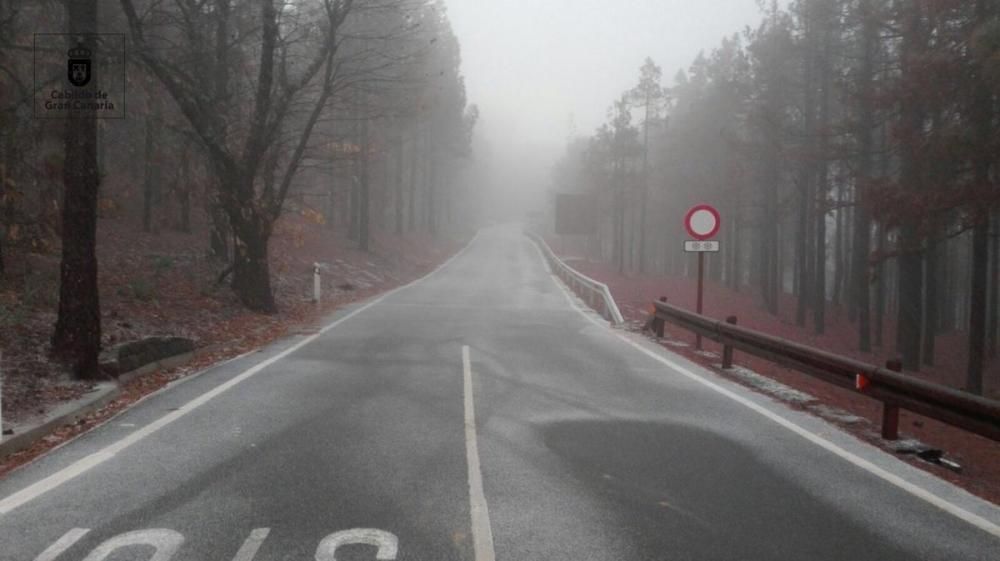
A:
(79, 65)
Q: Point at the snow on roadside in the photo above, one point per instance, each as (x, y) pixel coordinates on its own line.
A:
(769, 386)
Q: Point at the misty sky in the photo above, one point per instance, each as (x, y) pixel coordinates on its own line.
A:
(532, 64)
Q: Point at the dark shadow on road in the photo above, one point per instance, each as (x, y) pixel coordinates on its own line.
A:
(690, 491)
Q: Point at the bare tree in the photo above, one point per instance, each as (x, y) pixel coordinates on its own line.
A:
(288, 87)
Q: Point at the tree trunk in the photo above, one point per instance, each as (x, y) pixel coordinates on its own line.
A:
(866, 147)
(364, 192)
(848, 275)
(644, 197)
(949, 285)
(838, 249)
(731, 252)
(432, 180)
(910, 277)
(4, 204)
(977, 311)
(251, 269)
(620, 218)
(772, 276)
(982, 114)
(991, 334)
(354, 199)
(3, 209)
(738, 255)
(330, 213)
(411, 213)
(630, 229)
(803, 281)
(152, 176)
(931, 297)
(880, 272)
(184, 193)
(822, 183)
(219, 230)
(77, 335)
(398, 180)
(101, 151)
(910, 298)
(770, 176)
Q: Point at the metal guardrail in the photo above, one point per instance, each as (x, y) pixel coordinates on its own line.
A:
(963, 410)
(596, 294)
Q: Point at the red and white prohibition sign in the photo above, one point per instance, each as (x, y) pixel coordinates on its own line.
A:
(702, 222)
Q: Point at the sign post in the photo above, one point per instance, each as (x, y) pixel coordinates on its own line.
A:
(702, 223)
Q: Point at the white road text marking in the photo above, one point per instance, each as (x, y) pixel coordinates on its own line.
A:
(249, 548)
(164, 542)
(62, 544)
(387, 543)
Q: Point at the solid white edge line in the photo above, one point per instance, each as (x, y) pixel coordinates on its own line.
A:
(482, 532)
(915, 490)
(87, 463)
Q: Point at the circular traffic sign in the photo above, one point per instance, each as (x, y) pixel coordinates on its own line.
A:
(702, 222)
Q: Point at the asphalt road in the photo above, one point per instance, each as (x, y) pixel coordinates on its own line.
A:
(579, 443)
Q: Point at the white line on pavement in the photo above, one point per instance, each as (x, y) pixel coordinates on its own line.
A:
(249, 548)
(64, 543)
(482, 533)
(87, 463)
(913, 489)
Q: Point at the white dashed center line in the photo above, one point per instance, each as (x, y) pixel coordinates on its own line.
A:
(482, 534)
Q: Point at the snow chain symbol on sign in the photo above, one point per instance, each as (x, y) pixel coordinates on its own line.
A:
(709, 246)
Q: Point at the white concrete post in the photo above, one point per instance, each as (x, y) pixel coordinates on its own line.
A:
(317, 285)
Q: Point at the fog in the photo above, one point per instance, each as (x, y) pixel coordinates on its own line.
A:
(542, 71)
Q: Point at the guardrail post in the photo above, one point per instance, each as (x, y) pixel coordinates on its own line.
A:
(890, 411)
(727, 350)
(659, 323)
